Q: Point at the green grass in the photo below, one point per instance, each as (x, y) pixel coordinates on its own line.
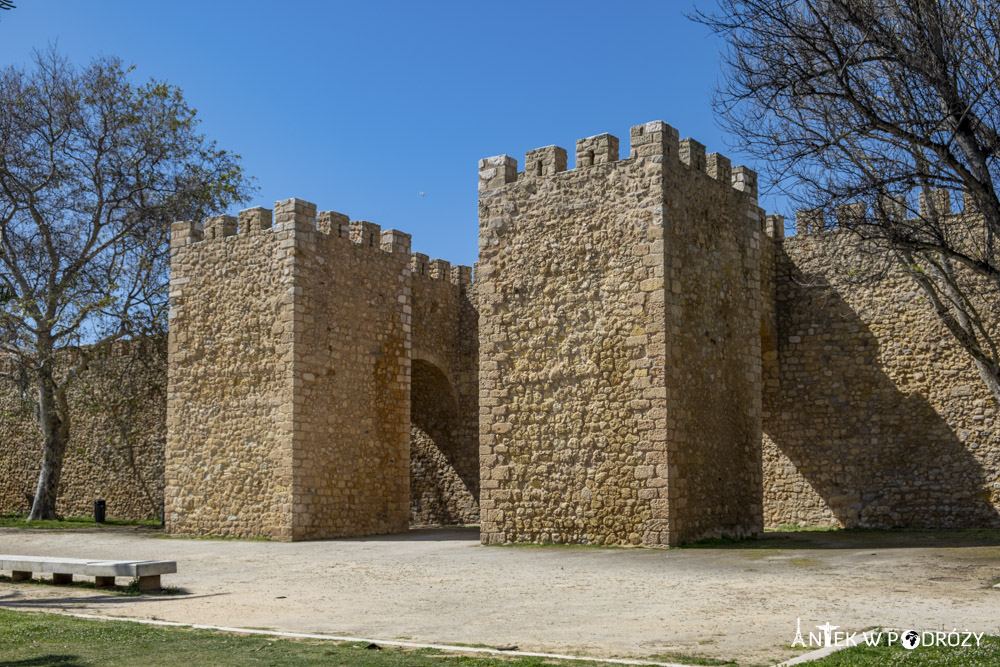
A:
(81, 522)
(754, 542)
(988, 653)
(739, 542)
(28, 638)
(786, 537)
(70, 523)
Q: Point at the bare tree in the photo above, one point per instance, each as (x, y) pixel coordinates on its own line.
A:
(881, 104)
(6, 294)
(92, 170)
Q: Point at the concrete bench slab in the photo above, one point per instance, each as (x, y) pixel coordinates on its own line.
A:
(133, 568)
(44, 564)
(103, 571)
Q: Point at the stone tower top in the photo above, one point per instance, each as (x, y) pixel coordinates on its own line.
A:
(655, 140)
(301, 215)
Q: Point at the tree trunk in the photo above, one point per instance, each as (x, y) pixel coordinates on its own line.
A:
(990, 378)
(957, 314)
(55, 433)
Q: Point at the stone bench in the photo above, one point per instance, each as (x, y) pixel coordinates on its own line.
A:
(103, 571)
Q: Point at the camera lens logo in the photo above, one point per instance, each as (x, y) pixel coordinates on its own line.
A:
(910, 639)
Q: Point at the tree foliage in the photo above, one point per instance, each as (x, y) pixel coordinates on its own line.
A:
(882, 104)
(93, 168)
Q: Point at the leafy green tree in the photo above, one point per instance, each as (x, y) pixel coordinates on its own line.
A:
(93, 168)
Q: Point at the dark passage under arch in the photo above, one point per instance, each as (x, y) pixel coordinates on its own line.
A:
(444, 460)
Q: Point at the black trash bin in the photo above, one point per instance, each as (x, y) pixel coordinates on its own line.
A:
(100, 511)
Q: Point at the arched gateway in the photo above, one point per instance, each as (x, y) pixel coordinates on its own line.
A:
(289, 400)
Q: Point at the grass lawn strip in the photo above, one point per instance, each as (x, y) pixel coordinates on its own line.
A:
(863, 655)
(72, 523)
(82, 639)
(812, 656)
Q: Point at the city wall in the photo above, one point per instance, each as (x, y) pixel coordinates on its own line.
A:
(115, 450)
(644, 359)
(873, 415)
(444, 432)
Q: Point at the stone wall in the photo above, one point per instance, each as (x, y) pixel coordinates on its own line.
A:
(873, 416)
(115, 450)
(352, 380)
(444, 413)
(603, 351)
(290, 379)
(444, 475)
(644, 359)
(230, 389)
(713, 293)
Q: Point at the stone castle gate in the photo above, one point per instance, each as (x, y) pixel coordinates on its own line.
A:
(643, 359)
(304, 355)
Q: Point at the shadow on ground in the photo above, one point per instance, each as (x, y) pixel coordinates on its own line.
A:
(62, 660)
(15, 600)
(852, 538)
(425, 534)
(859, 538)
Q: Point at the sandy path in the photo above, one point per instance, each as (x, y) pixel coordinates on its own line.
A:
(443, 587)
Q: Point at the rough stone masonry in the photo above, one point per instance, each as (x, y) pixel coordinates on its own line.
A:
(295, 340)
(619, 351)
(643, 359)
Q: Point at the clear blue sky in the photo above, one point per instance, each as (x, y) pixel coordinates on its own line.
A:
(360, 107)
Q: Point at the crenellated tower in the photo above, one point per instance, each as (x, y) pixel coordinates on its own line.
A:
(620, 311)
(292, 338)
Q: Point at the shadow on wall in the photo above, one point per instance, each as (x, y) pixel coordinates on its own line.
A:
(843, 444)
(444, 466)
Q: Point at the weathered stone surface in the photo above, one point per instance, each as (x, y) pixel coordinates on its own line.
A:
(115, 450)
(230, 401)
(444, 400)
(619, 361)
(289, 412)
(643, 359)
(873, 415)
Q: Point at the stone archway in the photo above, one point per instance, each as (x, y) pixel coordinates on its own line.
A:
(444, 461)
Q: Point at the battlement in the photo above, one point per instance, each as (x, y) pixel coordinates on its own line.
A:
(774, 227)
(300, 215)
(654, 140)
(439, 269)
(939, 202)
(599, 149)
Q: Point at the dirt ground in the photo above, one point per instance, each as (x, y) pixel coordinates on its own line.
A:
(440, 586)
